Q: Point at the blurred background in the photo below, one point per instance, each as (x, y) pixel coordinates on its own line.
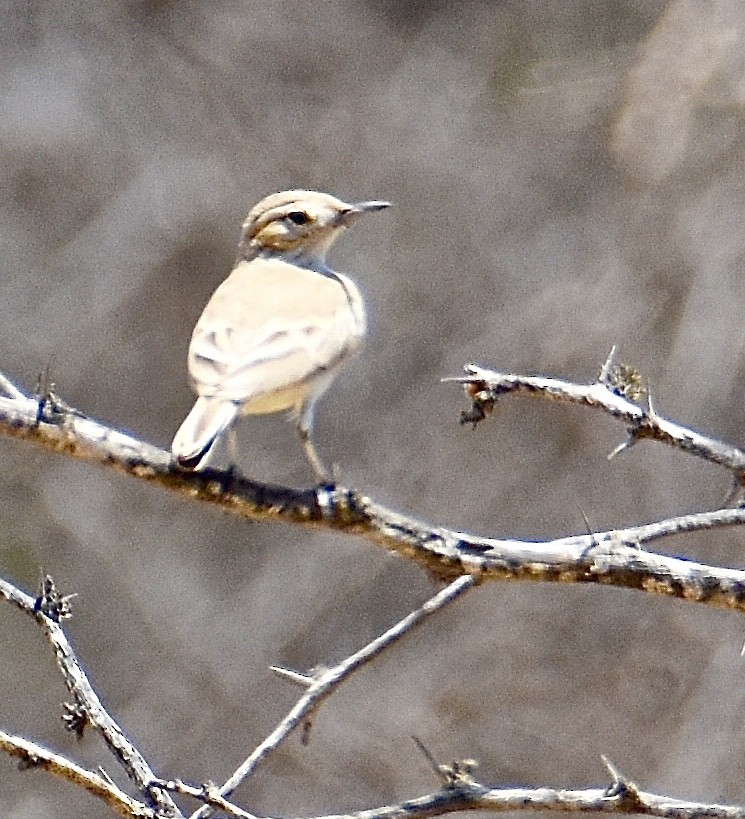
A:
(566, 176)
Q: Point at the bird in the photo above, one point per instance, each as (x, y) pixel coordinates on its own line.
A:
(274, 334)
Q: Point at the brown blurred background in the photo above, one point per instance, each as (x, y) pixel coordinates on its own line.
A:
(566, 176)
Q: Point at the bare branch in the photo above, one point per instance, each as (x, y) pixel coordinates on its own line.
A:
(34, 756)
(329, 679)
(611, 558)
(614, 557)
(621, 797)
(87, 707)
(627, 799)
(485, 387)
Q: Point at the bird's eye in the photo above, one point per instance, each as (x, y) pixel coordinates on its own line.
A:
(297, 217)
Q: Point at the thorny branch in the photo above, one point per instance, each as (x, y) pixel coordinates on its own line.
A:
(619, 798)
(463, 792)
(460, 789)
(32, 755)
(618, 391)
(48, 609)
(614, 557)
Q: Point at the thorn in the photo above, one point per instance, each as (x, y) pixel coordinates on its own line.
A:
(295, 677)
(587, 522)
(734, 496)
(650, 407)
(456, 775)
(612, 769)
(591, 532)
(621, 788)
(617, 786)
(428, 756)
(623, 446)
(605, 370)
(305, 735)
(104, 775)
(211, 791)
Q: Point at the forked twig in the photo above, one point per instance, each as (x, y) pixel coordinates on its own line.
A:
(48, 609)
(329, 679)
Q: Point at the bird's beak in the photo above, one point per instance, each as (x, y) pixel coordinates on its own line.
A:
(376, 204)
(362, 207)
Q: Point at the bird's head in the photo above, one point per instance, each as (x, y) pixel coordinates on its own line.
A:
(299, 225)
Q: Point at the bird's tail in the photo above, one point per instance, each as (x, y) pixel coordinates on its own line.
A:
(208, 418)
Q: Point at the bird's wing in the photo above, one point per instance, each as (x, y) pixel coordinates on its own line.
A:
(271, 325)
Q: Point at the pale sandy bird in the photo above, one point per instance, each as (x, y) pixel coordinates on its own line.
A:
(275, 332)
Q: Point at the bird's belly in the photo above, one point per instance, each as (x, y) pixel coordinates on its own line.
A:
(294, 398)
(289, 398)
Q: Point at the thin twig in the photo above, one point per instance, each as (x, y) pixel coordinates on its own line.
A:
(35, 756)
(86, 699)
(10, 389)
(331, 678)
(467, 796)
(486, 386)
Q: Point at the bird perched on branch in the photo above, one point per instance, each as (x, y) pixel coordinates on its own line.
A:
(276, 331)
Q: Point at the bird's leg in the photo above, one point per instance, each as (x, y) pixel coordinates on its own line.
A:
(319, 468)
(232, 471)
(232, 449)
(304, 428)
